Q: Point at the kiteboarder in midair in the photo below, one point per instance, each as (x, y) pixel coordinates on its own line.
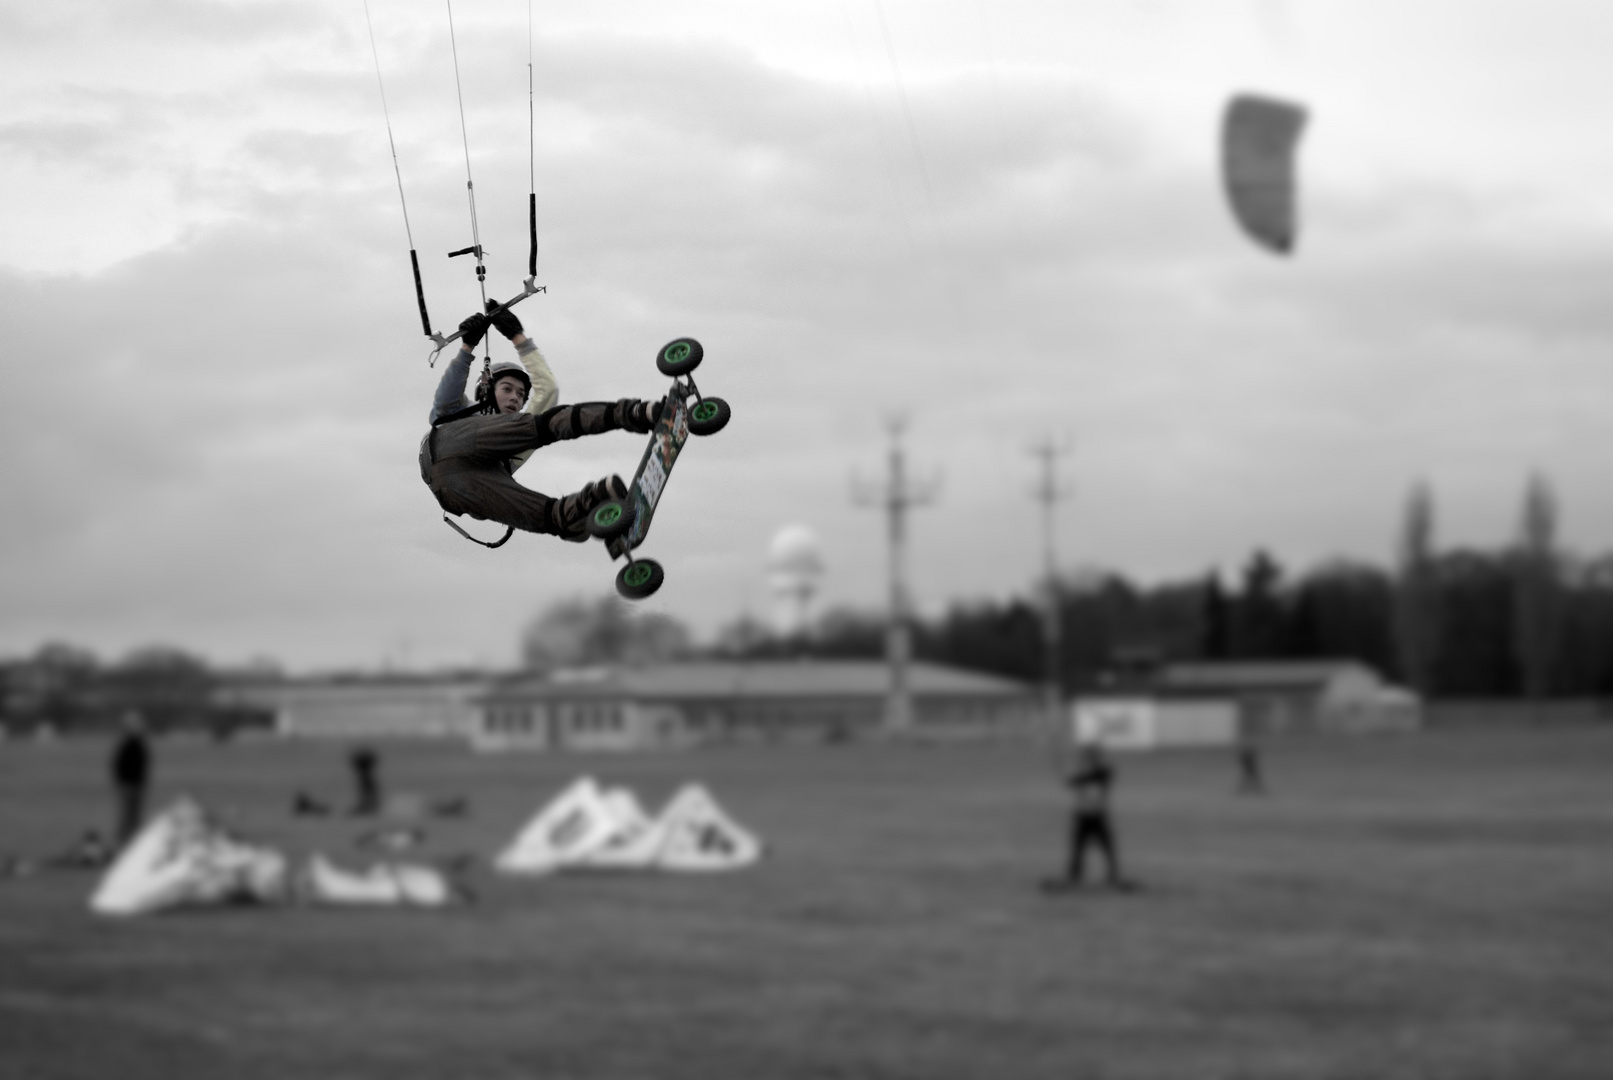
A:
(474, 447)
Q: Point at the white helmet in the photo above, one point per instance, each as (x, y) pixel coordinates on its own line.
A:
(509, 367)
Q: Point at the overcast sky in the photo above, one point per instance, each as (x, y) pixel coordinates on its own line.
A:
(1000, 219)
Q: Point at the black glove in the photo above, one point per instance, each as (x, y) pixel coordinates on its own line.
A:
(472, 330)
(505, 321)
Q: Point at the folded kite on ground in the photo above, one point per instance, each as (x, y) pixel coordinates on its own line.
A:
(586, 827)
(185, 858)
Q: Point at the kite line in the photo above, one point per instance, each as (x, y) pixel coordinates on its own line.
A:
(530, 286)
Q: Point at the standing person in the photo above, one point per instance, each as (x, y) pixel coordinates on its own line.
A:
(1249, 778)
(1091, 782)
(366, 765)
(474, 447)
(131, 773)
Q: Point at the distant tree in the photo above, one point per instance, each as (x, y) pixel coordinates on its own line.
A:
(1258, 626)
(169, 686)
(994, 637)
(742, 637)
(1103, 620)
(1342, 610)
(1171, 619)
(56, 686)
(1217, 637)
(1416, 611)
(1476, 657)
(1537, 605)
(583, 632)
(845, 634)
(1586, 654)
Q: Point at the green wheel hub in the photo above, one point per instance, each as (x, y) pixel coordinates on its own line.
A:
(705, 410)
(677, 354)
(606, 516)
(638, 574)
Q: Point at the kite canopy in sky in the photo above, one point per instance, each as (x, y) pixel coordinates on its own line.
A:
(1258, 138)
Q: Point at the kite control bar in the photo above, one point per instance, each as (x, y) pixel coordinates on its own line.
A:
(529, 287)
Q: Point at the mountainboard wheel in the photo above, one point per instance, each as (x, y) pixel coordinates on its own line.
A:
(679, 357)
(610, 520)
(640, 578)
(709, 416)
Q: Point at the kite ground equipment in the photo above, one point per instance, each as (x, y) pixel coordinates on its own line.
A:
(624, 524)
(1259, 136)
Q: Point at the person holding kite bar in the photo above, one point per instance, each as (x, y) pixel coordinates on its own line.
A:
(474, 447)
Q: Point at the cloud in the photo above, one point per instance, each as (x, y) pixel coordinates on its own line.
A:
(213, 442)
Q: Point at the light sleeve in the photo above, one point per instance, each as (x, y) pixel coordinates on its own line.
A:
(545, 392)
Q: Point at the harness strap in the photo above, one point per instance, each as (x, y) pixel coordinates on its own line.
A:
(509, 531)
(459, 414)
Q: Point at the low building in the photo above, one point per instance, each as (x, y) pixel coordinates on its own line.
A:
(1279, 697)
(682, 702)
(1145, 722)
(368, 706)
(1221, 703)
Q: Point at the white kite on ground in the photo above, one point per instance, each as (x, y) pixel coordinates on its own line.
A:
(575, 823)
(635, 839)
(700, 836)
(384, 884)
(587, 828)
(186, 858)
(183, 856)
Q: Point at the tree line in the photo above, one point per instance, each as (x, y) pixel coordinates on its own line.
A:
(63, 687)
(1524, 620)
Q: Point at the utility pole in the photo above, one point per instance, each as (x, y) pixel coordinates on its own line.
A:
(896, 497)
(1049, 492)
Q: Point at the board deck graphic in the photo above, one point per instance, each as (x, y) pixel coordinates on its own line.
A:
(666, 440)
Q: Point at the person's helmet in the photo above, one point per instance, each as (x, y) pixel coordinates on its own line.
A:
(508, 367)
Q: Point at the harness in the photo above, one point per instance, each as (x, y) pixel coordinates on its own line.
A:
(428, 448)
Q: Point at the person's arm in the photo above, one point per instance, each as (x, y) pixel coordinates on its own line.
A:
(1084, 775)
(545, 391)
(451, 387)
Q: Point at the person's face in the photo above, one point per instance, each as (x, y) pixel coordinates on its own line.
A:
(509, 394)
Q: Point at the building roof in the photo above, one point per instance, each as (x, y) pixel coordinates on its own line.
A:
(758, 679)
(1297, 675)
(282, 693)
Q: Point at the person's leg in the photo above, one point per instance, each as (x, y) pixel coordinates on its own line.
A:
(597, 417)
(128, 813)
(1080, 837)
(1104, 837)
(501, 437)
(490, 493)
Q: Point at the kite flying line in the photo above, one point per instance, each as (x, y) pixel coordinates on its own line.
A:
(530, 286)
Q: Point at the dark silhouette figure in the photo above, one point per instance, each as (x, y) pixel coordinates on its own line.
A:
(131, 773)
(1090, 826)
(89, 853)
(1249, 778)
(305, 805)
(454, 806)
(366, 766)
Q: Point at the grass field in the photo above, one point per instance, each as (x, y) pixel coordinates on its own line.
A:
(1430, 906)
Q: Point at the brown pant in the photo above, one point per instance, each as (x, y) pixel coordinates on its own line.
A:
(466, 465)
